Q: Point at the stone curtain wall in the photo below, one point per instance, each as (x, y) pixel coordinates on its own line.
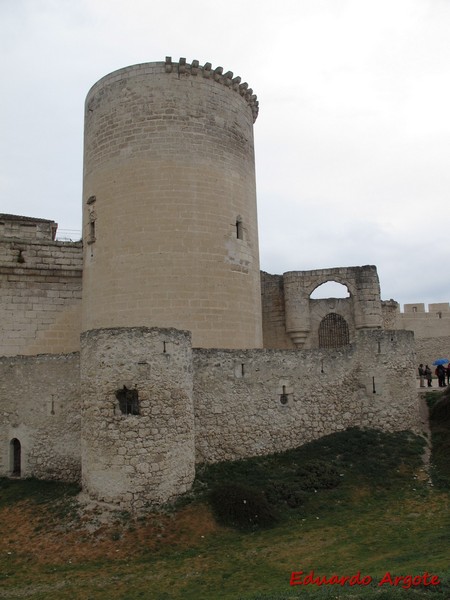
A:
(199, 405)
(27, 228)
(429, 349)
(238, 395)
(40, 296)
(431, 328)
(136, 460)
(40, 406)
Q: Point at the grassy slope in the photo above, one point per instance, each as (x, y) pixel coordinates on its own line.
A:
(383, 517)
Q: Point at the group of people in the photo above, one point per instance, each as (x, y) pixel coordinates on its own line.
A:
(441, 372)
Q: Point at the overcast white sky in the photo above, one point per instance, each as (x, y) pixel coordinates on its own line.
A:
(353, 134)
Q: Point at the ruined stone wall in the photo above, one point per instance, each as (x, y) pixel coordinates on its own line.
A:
(40, 406)
(273, 313)
(169, 204)
(40, 296)
(292, 319)
(146, 458)
(320, 308)
(256, 402)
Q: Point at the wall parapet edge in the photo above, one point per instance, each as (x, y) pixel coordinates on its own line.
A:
(183, 68)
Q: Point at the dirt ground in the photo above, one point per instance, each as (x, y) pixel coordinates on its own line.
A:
(46, 538)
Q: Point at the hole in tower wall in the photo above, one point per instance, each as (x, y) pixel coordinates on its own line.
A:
(128, 401)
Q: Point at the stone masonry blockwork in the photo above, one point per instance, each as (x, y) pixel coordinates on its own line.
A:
(188, 354)
(169, 173)
(148, 458)
(40, 406)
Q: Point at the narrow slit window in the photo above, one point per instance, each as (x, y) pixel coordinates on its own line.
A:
(239, 229)
(92, 231)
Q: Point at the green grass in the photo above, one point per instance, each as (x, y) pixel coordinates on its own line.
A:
(379, 518)
(35, 490)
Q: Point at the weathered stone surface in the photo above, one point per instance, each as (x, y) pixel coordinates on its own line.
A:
(40, 406)
(40, 291)
(171, 250)
(169, 158)
(120, 456)
(327, 390)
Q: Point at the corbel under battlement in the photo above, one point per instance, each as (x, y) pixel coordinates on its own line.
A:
(227, 79)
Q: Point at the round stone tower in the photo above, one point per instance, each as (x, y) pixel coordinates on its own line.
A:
(137, 436)
(169, 204)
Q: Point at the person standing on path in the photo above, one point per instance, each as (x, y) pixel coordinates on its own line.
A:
(421, 375)
(428, 375)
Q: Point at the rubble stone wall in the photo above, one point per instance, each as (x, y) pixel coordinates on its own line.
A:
(192, 406)
(40, 407)
(261, 401)
(146, 456)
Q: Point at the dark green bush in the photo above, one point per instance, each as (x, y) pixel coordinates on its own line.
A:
(440, 412)
(440, 437)
(278, 493)
(318, 475)
(239, 506)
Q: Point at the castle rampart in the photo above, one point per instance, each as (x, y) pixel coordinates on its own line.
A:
(41, 410)
(171, 369)
(431, 327)
(40, 292)
(261, 401)
(191, 406)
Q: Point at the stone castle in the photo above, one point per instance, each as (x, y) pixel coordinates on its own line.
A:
(156, 343)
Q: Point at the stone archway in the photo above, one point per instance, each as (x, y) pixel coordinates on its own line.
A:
(16, 457)
(364, 300)
(333, 331)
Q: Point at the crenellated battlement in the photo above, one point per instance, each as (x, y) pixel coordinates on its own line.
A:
(419, 309)
(227, 79)
(181, 69)
(431, 327)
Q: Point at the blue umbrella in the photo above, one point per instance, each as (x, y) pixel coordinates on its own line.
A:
(441, 361)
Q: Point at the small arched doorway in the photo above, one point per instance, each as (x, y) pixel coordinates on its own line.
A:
(16, 451)
(333, 331)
